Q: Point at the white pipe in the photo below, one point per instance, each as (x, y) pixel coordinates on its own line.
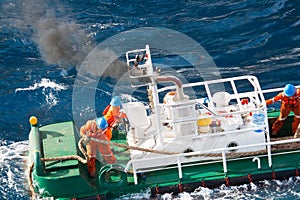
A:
(258, 162)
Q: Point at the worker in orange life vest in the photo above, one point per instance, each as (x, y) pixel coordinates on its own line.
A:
(96, 129)
(112, 112)
(290, 101)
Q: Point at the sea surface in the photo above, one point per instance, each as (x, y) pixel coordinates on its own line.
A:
(43, 44)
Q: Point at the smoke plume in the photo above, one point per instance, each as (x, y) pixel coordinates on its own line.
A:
(61, 41)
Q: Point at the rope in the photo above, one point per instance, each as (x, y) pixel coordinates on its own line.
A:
(278, 147)
(82, 150)
(173, 153)
(29, 177)
(133, 147)
(70, 157)
(63, 158)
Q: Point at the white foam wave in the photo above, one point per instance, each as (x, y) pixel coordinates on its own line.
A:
(13, 167)
(145, 194)
(45, 83)
(49, 90)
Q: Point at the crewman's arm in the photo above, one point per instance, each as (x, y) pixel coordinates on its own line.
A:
(274, 99)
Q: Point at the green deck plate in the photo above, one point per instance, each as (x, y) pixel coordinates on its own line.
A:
(63, 173)
(58, 140)
(275, 114)
(65, 183)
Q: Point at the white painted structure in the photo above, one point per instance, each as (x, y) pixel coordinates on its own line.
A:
(181, 124)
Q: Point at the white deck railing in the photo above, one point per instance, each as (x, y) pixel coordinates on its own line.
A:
(197, 153)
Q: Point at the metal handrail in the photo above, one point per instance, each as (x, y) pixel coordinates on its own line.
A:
(219, 150)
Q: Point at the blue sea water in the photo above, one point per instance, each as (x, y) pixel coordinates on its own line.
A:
(43, 43)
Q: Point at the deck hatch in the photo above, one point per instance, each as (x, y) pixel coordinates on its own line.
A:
(58, 140)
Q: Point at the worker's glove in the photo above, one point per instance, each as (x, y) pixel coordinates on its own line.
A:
(115, 126)
(86, 139)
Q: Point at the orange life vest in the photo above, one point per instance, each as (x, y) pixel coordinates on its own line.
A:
(290, 101)
(106, 110)
(113, 115)
(109, 118)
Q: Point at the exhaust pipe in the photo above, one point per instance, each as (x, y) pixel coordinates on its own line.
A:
(180, 96)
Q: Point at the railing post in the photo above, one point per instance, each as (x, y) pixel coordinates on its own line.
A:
(224, 161)
(179, 168)
(134, 174)
(269, 149)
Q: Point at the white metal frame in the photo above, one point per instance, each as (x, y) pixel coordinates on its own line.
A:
(257, 94)
(224, 158)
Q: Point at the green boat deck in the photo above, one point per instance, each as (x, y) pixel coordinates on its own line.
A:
(59, 140)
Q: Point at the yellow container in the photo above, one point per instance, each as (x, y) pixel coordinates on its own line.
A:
(204, 121)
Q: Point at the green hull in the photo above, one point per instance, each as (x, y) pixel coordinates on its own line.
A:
(66, 179)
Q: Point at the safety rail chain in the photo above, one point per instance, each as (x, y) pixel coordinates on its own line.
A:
(288, 140)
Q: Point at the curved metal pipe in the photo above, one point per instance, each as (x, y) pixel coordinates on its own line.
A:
(179, 90)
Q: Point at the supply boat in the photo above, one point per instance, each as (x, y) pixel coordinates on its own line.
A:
(173, 143)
